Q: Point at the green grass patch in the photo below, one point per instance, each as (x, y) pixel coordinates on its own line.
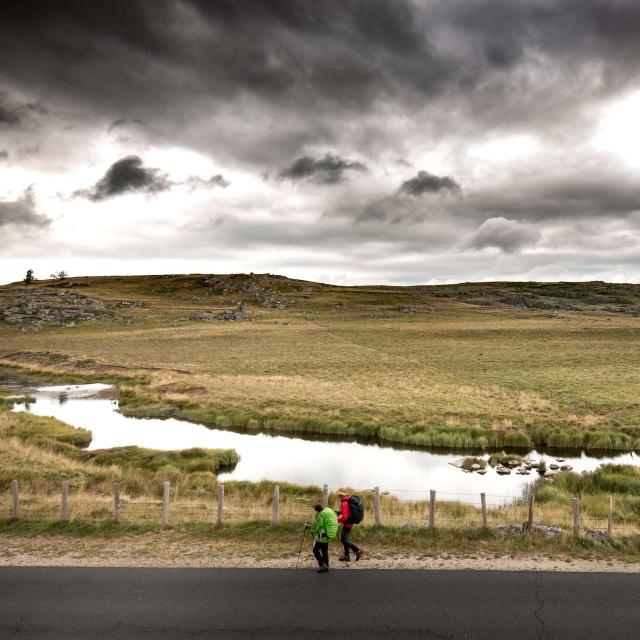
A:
(196, 460)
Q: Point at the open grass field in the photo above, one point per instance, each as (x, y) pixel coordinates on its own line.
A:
(473, 365)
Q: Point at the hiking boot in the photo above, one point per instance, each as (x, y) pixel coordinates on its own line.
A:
(344, 559)
(359, 553)
(323, 569)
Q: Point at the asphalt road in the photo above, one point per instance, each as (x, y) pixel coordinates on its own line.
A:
(90, 603)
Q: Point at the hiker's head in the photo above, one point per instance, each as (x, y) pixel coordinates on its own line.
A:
(318, 507)
(342, 493)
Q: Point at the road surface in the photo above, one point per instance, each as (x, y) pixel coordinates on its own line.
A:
(51, 602)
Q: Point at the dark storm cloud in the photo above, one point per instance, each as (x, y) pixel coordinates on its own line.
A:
(426, 183)
(22, 211)
(507, 235)
(313, 69)
(127, 175)
(330, 169)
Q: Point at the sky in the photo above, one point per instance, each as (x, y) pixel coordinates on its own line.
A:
(342, 141)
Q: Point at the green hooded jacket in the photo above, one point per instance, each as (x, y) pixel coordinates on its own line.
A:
(326, 526)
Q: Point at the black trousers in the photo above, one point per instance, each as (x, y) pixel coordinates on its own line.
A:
(346, 543)
(321, 552)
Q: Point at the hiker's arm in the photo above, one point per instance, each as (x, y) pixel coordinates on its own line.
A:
(345, 512)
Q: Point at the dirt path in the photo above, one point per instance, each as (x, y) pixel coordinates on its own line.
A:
(156, 550)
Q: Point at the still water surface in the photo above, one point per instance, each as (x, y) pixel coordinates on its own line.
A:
(406, 473)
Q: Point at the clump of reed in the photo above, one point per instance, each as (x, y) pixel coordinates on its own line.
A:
(620, 482)
(571, 438)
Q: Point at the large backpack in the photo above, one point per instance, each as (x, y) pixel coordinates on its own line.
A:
(357, 509)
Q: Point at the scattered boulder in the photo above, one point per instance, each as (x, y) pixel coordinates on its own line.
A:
(547, 531)
(596, 534)
(566, 467)
(512, 529)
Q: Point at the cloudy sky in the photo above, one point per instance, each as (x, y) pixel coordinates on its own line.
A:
(347, 141)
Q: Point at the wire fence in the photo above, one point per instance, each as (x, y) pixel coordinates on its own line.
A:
(282, 504)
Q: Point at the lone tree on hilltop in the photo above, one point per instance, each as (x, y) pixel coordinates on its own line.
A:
(59, 275)
(29, 278)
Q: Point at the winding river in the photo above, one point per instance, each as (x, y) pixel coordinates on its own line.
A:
(407, 473)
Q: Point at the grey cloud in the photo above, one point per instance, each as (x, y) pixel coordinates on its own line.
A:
(22, 211)
(13, 113)
(127, 175)
(330, 169)
(123, 122)
(578, 194)
(4, 155)
(427, 183)
(196, 182)
(507, 235)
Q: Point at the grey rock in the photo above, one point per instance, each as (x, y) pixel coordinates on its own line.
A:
(596, 534)
(512, 529)
(547, 531)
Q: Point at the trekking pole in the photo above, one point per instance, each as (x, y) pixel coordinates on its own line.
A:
(304, 531)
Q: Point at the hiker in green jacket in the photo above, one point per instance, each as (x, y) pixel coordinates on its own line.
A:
(325, 529)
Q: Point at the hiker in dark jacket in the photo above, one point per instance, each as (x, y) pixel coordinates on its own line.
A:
(325, 529)
(344, 517)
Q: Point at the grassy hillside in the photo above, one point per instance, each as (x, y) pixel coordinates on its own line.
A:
(465, 365)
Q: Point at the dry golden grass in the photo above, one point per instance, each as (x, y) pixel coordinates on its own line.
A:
(246, 506)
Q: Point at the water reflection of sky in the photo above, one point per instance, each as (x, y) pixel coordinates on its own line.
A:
(409, 474)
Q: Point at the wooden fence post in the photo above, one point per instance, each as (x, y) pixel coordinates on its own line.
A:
(532, 503)
(610, 518)
(576, 516)
(165, 504)
(276, 505)
(432, 509)
(376, 505)
(116, 502)
(483, 501)
(220, 504)
(15, 498)
(325, 495)
(64, 515)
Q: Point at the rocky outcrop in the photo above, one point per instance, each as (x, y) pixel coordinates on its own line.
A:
(33, 309)
(259, 288)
